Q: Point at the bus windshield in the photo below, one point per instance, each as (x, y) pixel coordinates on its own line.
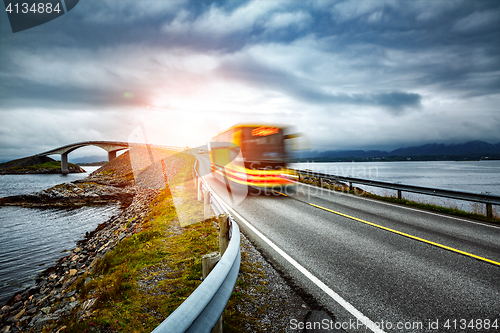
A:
(263, 147)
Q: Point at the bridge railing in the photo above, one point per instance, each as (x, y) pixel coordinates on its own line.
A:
(485, 198)
(202, 309)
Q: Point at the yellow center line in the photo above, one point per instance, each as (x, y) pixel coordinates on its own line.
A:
(403, 234)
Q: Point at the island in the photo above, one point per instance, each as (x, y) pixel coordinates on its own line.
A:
(36, 164)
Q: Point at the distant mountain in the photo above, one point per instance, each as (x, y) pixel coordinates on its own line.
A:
(472, 148)
(89, 159)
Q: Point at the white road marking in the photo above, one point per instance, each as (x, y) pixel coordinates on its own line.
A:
(346, 305)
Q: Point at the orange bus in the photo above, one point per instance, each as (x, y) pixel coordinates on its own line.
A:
(252, 155)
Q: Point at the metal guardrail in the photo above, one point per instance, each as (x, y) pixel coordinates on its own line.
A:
(486, 198)
(201, 310)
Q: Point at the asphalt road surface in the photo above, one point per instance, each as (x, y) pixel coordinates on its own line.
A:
(378, 267)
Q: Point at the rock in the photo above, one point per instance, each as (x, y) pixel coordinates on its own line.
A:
(88, 304)
(33, 290)
(32, 311)
(42, 321)
(61, 329)
(34, 319)
(66, 310)
(19, 315)
(93, 263)
(45, 302)
(69, 194)
(10, 320)
(16, 306)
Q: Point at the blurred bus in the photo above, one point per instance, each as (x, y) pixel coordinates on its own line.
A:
(252, 155)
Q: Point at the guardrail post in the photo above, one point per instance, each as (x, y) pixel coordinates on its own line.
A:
(350, 186)
(199, 190)
(300, 177)
(223, 233)
(208, 263)
(320, 182)
(489, 210)
(399, 194)
(206, 204)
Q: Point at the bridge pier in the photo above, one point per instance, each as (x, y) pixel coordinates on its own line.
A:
(64, 163)
(111, 155)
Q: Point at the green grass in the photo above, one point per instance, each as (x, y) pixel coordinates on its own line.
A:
(167, 256)
(434, 208)
(54, 165)
(162, 251)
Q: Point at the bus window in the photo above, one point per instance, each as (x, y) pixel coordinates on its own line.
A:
(263, 147)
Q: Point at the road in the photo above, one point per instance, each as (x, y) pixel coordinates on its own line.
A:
(402, 269)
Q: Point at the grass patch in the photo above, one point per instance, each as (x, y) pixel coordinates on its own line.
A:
(108, 172)
(135, 286)
(54, 165)
(424, 206)
(434, 208)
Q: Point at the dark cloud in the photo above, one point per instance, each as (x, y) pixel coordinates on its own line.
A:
(393, 62)
(398, 100)
(259, 75)
(22, 94)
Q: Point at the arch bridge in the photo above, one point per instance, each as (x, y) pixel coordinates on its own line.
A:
(112, 147)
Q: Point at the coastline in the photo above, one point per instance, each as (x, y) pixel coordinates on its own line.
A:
(72, 195)
(52, 296)
(42, 171)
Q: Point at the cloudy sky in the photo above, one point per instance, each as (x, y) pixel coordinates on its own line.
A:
(349, 74)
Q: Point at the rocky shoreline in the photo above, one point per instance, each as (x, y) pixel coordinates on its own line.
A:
(53, 295)
(41, 170)
(72, 194)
